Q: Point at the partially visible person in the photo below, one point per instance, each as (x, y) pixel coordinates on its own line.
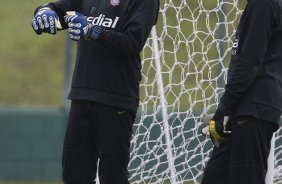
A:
(251, 106)
(105, 86)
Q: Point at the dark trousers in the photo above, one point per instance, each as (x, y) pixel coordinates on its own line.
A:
(243, 160)
(97, 133)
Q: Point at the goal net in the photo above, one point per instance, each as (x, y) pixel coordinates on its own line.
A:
(183, 76)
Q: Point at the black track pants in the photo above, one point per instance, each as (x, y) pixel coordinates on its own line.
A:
(97, 137)
(244, 159)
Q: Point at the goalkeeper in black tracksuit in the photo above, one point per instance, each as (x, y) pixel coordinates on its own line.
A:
(252, 100)
(105, 85)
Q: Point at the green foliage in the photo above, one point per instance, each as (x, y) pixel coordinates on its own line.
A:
(31, 66)
(195, 38)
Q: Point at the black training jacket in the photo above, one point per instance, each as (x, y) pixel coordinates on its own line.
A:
(108, 70)
(254, 84)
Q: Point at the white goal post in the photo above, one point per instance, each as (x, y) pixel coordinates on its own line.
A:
(184, 70)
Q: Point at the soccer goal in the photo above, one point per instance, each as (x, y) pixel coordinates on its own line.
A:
(183, 76)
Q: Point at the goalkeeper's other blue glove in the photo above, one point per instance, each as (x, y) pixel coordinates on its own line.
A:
(79, 28)
(219, 128)
(46, 21)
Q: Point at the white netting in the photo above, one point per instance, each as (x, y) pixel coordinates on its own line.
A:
(194, 39)
(278, 157)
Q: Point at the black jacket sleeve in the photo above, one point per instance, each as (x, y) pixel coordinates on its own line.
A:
(254, 33)
(137, 27)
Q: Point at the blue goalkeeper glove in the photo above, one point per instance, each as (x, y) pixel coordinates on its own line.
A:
(219, 126)
(46, 21)
(79, 28)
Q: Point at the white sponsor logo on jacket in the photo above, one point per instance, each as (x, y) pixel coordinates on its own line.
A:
(104, 21)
